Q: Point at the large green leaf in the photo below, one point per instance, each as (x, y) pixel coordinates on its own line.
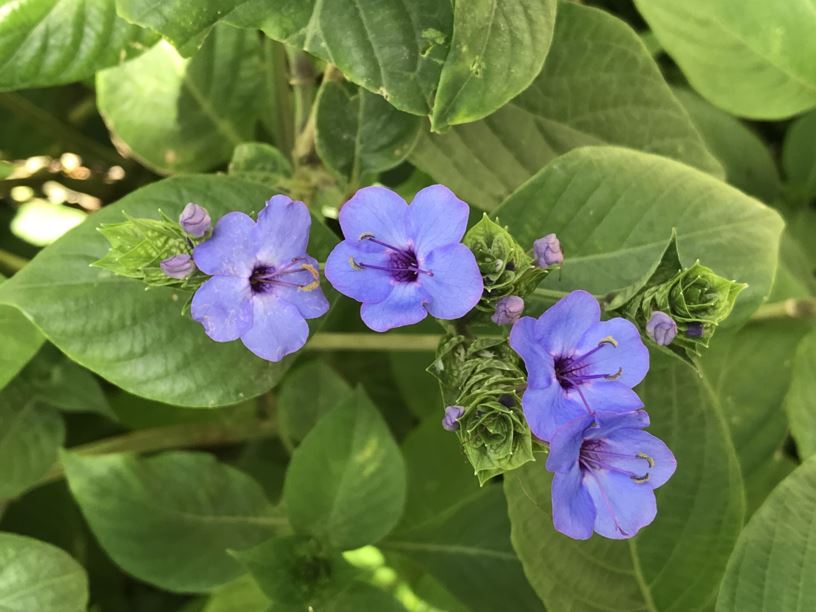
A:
(799, 157)
(752, 58)
(240, 595)
(20, 340)
(137, 339)
(751, 402)
(800, 402)
(359, 134)
(577, 100)
(170, 519)
(773, 565)
(614, 209)
(177, 115)
(498, 48)
(346, 482)
(674, 564)
(30, 435)
(50, 42)
(37, 576)
(748, 163)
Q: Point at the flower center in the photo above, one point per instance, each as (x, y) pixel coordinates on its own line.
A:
(264, 278)
(403, 265)
(571, 371)
(597, 455)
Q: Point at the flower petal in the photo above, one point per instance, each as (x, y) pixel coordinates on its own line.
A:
(377, 211)
(436, 218)
(223, 306)
(607, 397)
(629, 355)
(642, 453)
(635, 419)
(282, 230)
(363, 285)
(539, 363)
(278, 328)
(565, 443)
(456, 285)
(402, 307)
(622, 506)
(560, 328)
(572, 506)
(547, 409)
(230, 250)
(311, 303)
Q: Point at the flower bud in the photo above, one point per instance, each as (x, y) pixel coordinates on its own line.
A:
(178, 266)
(547, 251)
(508, 310)
(195, 220)
(661, 328)
(695, 330)
(450, 422)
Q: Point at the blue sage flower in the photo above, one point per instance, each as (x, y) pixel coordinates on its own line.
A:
(178, 266)
(577, 365)
(195, 220)
(547, 251)
(264, 286)
(605, 475)
(661, 328)
(450, 422)
(508, 310)
(403, 262)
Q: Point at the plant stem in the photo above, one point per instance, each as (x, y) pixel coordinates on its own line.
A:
(552, 294)
(793, 308)
(280, 110)
(372, 342)
(302, 79)
(11, 262)
(173, 436)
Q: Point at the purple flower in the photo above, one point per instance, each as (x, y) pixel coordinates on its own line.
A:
(178, 266)
(450, 421)
(661, 328)
(195, 220)
(508, 310)
(547, 251)
(264, 286)
(403, 262)
(577, 365)
(605, 475)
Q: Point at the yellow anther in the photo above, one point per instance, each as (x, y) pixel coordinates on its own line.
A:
(609, 340)
(614, 376)
(315, 275)
(648, 459)
(354, 265)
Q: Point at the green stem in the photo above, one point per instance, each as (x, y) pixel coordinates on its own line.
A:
(550, 294)
(373, 342)
(793, 308)
(281, 109)
(11, 262)
(303, 82)
(171, 437)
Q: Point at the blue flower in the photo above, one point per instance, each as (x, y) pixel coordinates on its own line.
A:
(661, 328)
(450, 422)
(605, 475)
(195, 220)
(403, 262)
(508, 310)
(264, 286)
(577, 365)
(178, 266)
(547, 251)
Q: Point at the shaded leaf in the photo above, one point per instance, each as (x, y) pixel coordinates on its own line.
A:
(800, 401)
(20, 340)
(260, 162)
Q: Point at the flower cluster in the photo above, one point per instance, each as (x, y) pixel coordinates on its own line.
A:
(579, 399)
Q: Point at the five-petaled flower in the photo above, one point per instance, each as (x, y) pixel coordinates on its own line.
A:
(403, 262)
(605, 475)
(577, 365)
(264, 286)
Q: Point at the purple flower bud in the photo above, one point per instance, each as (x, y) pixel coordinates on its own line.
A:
(195, 220)
(508, 310)
(547, 251)
(450, 422)
(695, 330)
(178, 266)
(661, 328)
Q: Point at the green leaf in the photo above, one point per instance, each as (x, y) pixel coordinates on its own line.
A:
(417, 388)
(748, 163)
(184, 23)
(577, 100)
(752, 58)
(260, 162)
(799, 157)
(240, 595)
(20, 340)
(752, 402)
(309, 392)
(498, 48)
(346, 482)
(800, 401)
(675, 563)
(50, 42)
(140, 341)
(37, 576)
(772, 565)
(456, 531)
(30, 435)
(169, 519)
(177, 115)
(359, 134)
(613, 210)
